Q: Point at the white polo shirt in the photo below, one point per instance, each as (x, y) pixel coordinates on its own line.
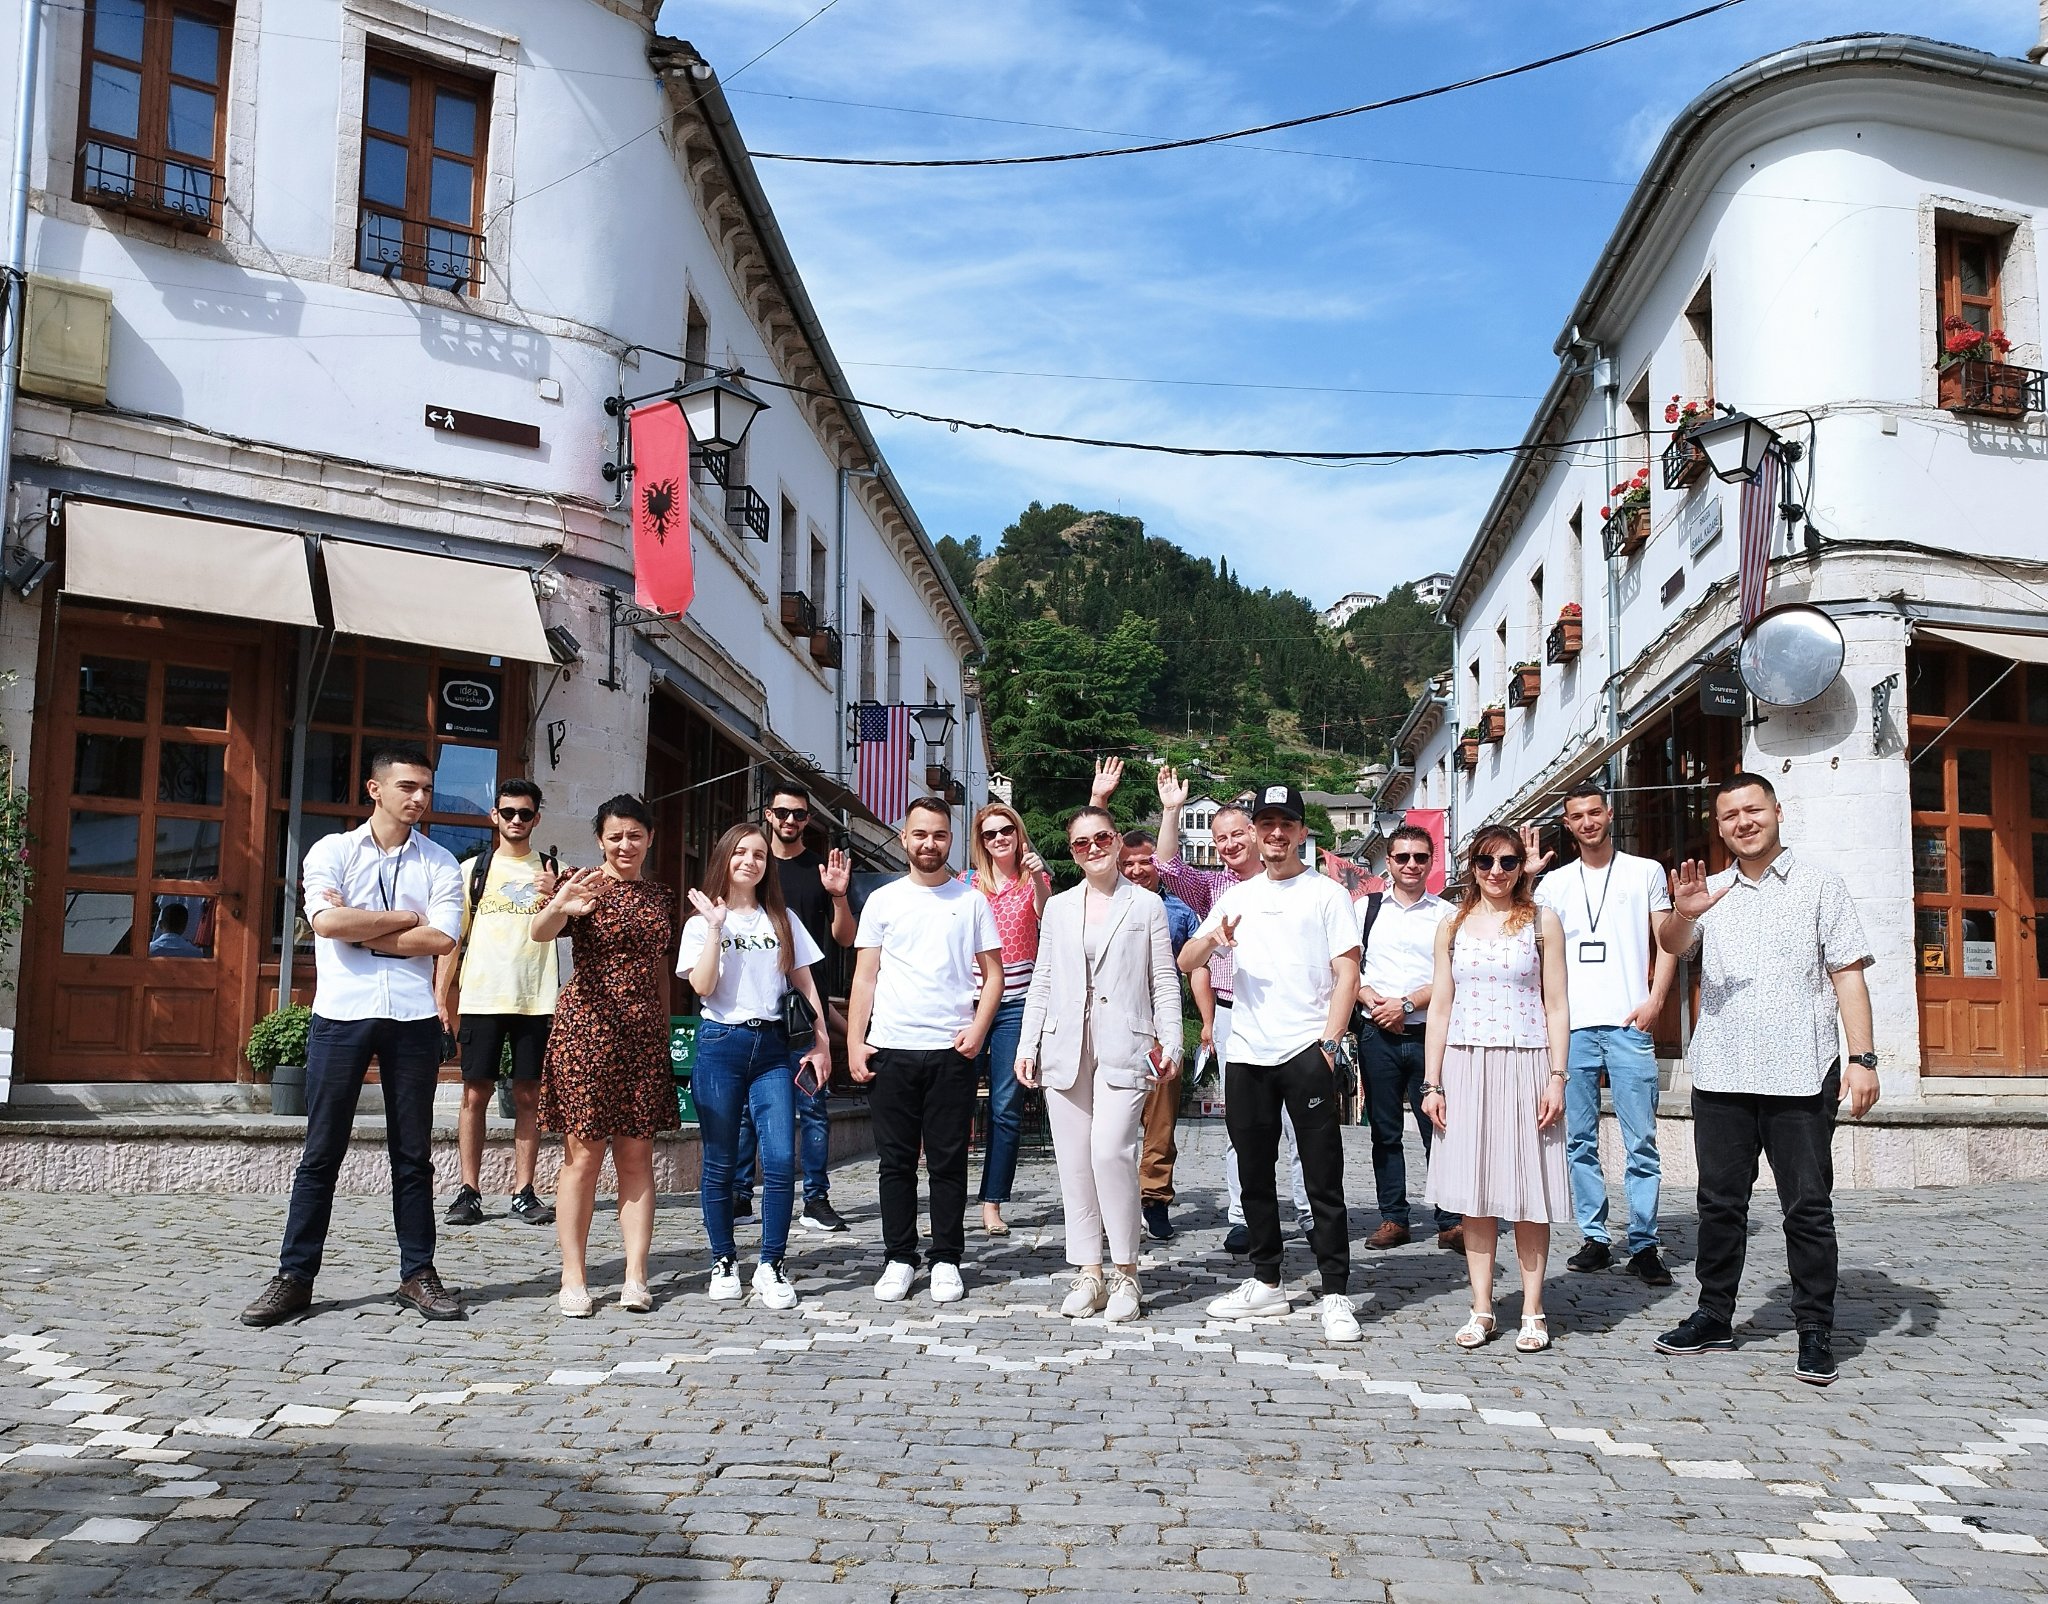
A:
(352, 982)
(1400, 954)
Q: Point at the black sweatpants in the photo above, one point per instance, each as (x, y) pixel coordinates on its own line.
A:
(1253, 1097)
(922, 1098)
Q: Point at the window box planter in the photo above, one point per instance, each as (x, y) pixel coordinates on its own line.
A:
(825, 647)
(1493, 724)
(1468, 750)
(1566, 640)
(1525, 685)
(799, 613)
(1627, 530)
(1684, 463)
(1991, 389)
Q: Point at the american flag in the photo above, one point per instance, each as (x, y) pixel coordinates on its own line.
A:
(882, 770)
(1759, 524)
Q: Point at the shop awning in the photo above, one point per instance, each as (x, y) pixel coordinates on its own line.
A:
(1998, 642)
(200, 565)
(389, 594)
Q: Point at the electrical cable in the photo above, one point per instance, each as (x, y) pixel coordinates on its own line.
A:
(1155, 146)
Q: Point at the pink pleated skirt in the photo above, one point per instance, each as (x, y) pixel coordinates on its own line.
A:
(1491, 1159)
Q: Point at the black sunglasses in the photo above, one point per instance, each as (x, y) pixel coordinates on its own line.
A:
(519, 815)
(1408, 857)
(1507, 863)
(787, 814)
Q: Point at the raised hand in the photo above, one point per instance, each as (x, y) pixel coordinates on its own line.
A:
(1533, 855)
(837, 874)
(1226, 932)
(544, 882)
(1690, 898)
(580, 891)
(1173, 790)
(1033, 863)
(1109, 773)
(712, 912)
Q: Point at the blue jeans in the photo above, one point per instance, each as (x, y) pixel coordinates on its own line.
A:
(998, 1062)
(813, 1146)
(1392, 1069)
(1630, 1058)
(739, 1068)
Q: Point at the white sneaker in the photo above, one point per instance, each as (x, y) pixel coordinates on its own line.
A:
(1087, 1297)
(1124, 1301)
(1340, 1320)
(1252, 1297)
(947, 1286)
(894, 1286)
(772, 1287)
(725, 1282)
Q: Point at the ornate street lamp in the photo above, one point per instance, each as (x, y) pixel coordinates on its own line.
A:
(719, 411)
(1735, 445)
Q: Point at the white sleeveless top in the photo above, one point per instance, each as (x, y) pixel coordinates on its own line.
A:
(1498, 995)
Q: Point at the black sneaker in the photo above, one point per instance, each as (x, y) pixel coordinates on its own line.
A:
(743, 1208)
(1648, 1266)
(467, 1209)
(1157, 1225)
(820, 1215)
(286, 1296)
(527, 1206)
(1816, 1365)
(1698, 1332)
(1590, 1257)
(1238, 1241)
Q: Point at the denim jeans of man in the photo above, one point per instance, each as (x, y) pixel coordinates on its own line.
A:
(1253, 1099)
(1392, 1066)
(813, 1145)
(1797, 1134)
(338, 1054)
(751, 1068)
(1630, 1058)
(922, 1099)
(998, 1063)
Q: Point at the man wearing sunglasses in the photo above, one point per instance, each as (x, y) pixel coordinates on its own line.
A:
(1394, 980)
(814, 889)
(496, 994)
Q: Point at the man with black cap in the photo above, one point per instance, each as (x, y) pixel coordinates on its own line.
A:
(1294, 939)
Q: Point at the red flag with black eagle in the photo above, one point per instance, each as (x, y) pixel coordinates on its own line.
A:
(663, 576)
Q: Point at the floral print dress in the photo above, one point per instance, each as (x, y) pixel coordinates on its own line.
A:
(607, 1068)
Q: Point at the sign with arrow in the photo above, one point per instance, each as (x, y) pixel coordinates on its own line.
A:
(481, 426)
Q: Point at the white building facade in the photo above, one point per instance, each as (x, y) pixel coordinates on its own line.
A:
(1795, 248)
(313, 430)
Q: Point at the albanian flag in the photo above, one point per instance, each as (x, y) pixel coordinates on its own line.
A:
(663, 577)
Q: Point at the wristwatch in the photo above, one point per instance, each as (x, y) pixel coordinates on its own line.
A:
(1329, 1047)
(1867, 1060)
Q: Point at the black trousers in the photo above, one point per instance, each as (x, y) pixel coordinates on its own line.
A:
(1253, 1097)
(1391, 1063)
(922, 1098)
(1729, 1130)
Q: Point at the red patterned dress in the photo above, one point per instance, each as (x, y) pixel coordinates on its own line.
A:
(606, 1072)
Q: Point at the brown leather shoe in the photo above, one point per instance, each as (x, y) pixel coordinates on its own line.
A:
(1389, 1235)
(425, 1293)
(285, 1296)
(1453, 1240)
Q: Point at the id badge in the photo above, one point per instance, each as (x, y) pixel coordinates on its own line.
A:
(1592, 952)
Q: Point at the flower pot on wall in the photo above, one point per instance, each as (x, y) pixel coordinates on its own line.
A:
(1527, 684)
(1468, 752)
(288, 1090)
(1567, 640)
(1987, 389)
(1493, 724)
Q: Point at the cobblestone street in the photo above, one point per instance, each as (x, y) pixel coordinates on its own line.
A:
(154, 1448)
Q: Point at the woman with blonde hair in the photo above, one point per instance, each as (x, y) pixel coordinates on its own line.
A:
(1014, 880)
(1494, 1065)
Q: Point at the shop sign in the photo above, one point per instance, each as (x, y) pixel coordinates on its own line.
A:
(1980, 960)
(1721, 695)
(469, 703)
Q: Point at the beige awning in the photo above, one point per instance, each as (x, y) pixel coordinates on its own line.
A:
(1998, 642)
(200, 565)
(389, 594)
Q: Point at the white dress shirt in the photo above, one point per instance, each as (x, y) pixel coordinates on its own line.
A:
(352, 982)
(1400, 955)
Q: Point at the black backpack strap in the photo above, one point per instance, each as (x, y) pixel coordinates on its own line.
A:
(1373, 902)
(479, 872)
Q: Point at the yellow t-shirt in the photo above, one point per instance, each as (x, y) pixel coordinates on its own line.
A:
(505, 971)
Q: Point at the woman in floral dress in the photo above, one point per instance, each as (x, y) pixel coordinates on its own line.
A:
(606, 1077)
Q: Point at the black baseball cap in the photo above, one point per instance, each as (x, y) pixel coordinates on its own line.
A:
(1278, 799)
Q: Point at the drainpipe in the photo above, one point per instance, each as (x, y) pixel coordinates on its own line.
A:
(1610, 390)
(17, 234)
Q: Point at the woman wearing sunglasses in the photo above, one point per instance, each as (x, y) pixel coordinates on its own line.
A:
(1013, 878)
(1101, 1027)
(1494, 1060)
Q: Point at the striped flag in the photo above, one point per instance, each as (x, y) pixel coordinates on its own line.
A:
(882, 766)
(1759, 525)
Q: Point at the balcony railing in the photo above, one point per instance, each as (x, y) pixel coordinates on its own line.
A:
(1627, 530)
(799, 613)
(1993, 389)
(710, 467)
(184, 194)
(825, 647)
(745, 510)
(1684, 462)
(435, 254)
(1566, 639)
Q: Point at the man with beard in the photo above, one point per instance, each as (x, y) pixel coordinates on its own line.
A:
(1162, 1103)
(926, 986)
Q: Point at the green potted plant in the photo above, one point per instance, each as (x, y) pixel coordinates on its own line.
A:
(1527, 683)
(277, 1053)
(1468, 747)
(1493, 723)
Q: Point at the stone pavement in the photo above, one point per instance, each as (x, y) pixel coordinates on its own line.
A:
(150, 1447)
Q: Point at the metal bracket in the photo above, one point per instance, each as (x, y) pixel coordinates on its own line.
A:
(622, 614)
(1881, 711)
(558, 735)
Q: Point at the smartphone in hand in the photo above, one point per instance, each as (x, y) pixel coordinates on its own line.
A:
(810, 1081)
(1155, 1063)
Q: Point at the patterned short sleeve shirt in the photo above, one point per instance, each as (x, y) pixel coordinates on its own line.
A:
(1767, 1021)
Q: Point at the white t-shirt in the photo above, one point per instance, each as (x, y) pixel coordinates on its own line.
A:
(750, 978)
(1289, 931)
(1607, 943)
(929, 980)
(1400, 959)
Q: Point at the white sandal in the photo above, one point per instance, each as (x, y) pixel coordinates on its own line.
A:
(1535, 1334)
(1478, 1330)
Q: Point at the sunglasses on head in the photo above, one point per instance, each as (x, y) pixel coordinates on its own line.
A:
(1408, 857)
(519, 815)
(1100, 841)
(995, 832)
(789, 814)
(1507, 862)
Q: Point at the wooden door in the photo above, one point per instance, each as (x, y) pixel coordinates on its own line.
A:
(141, 943)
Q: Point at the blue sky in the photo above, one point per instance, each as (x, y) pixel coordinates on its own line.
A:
(1434, 248)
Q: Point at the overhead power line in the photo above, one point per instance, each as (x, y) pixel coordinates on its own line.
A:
(1155, 146)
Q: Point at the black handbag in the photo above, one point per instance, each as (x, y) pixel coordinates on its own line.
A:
(798, 1018)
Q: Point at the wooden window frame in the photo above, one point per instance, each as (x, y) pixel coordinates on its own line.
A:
(1948, 276)
(416, 258)
(145, 193)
